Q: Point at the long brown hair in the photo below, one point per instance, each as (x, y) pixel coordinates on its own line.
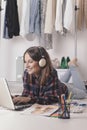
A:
(36, 53)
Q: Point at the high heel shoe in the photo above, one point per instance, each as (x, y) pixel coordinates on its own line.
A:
(63, 63)
(67, 61)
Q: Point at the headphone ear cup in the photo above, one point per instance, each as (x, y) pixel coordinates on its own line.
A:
(42, 62)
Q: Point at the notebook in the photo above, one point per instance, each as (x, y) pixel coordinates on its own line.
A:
(6, 98)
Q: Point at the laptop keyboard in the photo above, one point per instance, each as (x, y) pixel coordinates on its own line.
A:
(22, 106)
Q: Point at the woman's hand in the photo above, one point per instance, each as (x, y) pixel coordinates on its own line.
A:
(20, 99)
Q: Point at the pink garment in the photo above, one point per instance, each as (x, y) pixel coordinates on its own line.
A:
(85, 12)
(81, 13)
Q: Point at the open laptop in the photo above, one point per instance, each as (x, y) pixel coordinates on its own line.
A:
(6, 98)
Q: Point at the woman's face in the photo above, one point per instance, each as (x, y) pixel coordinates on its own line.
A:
(31, 65)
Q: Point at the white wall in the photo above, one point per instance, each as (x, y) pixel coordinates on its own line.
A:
(62, 46)
(9, 51)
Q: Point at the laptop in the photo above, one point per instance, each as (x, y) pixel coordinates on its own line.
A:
(6, 98)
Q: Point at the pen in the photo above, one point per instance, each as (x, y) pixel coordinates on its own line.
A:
(82, 104)
(69, 97)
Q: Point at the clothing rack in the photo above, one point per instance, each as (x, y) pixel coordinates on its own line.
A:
(76, 9)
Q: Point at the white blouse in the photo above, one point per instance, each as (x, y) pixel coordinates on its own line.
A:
(24, 25)
(59, 17)
(69, 15)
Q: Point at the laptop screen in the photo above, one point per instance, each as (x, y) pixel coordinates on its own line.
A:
(5, 95)
(6, 98)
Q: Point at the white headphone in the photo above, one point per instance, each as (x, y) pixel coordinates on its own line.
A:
(42, 61)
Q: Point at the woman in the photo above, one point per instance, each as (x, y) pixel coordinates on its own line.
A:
(40, 80)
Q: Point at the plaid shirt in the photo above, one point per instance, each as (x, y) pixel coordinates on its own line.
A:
(46, 94)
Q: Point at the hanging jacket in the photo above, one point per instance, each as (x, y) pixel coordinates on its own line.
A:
(11, 20)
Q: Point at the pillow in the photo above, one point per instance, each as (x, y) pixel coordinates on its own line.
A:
(76, 93)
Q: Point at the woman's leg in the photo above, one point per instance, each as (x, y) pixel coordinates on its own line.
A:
(66, 77)
(76, 78)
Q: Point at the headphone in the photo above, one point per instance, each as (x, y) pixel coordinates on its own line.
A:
(42, 61)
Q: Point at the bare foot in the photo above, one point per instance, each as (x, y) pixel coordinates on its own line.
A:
(73, 62)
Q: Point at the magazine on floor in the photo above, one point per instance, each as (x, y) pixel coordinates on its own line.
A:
(37, 109)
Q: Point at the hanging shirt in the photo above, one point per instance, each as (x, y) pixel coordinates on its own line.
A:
(35, 17)
(69, 15)
(24, 24)
(50, 16)
(59, 16)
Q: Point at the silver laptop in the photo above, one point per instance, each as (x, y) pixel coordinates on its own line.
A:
(6, 98)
